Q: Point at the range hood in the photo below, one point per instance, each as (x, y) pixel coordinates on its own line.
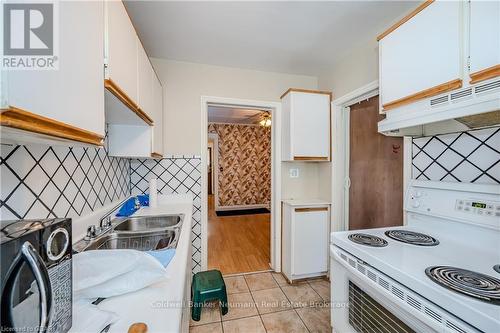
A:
(475, 106)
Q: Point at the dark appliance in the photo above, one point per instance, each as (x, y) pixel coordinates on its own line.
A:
(36, 273)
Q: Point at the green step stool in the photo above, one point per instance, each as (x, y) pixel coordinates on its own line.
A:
(208, 286)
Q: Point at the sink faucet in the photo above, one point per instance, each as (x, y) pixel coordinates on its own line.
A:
(105, 221)
(92, 232)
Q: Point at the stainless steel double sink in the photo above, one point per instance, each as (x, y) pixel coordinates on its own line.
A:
(143, 233)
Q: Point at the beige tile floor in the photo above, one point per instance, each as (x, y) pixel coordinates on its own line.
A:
(265, 302)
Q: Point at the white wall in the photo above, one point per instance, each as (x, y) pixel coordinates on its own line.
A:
(185, 83)
(313, 181)
(352, 72)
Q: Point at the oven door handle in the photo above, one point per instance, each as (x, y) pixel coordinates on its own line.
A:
(37, 267)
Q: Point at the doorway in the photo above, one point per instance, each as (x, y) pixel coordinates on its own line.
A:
(239, 166)
(375, 170)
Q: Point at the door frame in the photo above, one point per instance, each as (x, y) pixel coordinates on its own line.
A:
(215, 168)
(341, 154)
(275, 109)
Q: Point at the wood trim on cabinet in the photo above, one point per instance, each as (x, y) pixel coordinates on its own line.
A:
(439, 89)
(156, 155)
(405, 19)
(113, 88)
(309, 91)
(485, 74)
(24, 120)
(310, 158)
(311, 209)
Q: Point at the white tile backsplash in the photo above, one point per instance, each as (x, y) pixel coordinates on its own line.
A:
(472, 156)
(175, 174)
(39, 181)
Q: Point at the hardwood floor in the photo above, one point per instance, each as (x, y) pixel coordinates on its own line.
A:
(238, 244)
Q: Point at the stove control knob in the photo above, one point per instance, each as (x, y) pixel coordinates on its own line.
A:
(418, 194)
(415, 204)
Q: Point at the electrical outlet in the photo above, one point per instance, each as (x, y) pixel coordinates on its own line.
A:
(294, 173)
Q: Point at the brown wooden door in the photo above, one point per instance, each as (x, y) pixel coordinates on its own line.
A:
(375, 171)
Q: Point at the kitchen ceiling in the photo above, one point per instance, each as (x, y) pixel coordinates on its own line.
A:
(287, 37)
(229, 115)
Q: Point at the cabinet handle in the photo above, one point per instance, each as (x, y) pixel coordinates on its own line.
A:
(311, 209)
(310, 158)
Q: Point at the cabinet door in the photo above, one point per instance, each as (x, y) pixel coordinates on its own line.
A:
(421, 54)
(144, 81)
(121, 49)
(310, 126)
(310, 240)
(484, 35)
(74, 93)
(157, 116)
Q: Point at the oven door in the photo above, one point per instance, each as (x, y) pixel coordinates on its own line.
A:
(358, 308)
(365, 300)
(26, 293)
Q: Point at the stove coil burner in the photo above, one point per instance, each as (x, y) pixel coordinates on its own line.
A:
(483, 287)
(369, 240)
(497, 268)
(411, 237)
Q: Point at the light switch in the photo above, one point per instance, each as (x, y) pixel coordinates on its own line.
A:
(294, 173)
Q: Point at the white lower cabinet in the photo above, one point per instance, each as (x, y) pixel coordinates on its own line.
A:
(305, 240)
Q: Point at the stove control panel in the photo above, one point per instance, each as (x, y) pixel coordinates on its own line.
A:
(478, 207)
(472, 203)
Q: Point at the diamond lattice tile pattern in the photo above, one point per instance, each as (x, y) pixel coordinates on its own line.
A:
(470, 157)
(176, 174)
(40, 181)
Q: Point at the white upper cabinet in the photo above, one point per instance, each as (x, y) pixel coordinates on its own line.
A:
(121, 49)
(306, 125)
(134, 97)
(144, 81)
(422, 54)
(157, 116)
(67, 103)
(484, 37)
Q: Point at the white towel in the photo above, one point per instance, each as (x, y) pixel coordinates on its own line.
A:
(107, 273)
(88, 318)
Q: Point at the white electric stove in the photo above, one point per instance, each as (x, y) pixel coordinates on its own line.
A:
(439, 273)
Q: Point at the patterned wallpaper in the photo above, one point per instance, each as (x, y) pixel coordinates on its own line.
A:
(175, 174)
(39, 181)
(244, 164)
(469, 157)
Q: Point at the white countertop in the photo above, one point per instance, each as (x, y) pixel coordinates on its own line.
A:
(306, 202)
(159, 305)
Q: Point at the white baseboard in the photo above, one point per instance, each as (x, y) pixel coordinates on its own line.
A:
(240, 207)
